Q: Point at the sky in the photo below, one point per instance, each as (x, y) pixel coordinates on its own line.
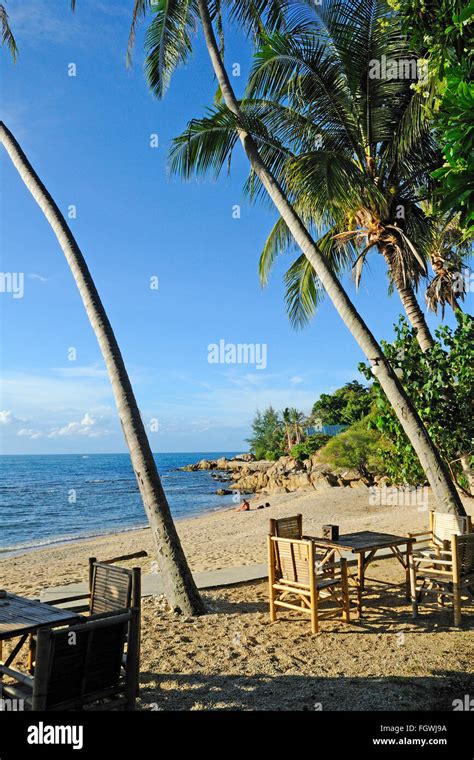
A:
(175, 263)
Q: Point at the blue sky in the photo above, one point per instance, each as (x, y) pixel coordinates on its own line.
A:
(88, 136)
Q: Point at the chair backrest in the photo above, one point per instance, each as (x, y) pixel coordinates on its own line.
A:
(287, 527)
(82, 664)
(465, 553)
(293, 559)
(444, 525)
(112, 588)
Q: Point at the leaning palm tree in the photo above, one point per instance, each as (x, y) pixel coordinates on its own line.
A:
(344, 147)
(179, 585)
(168, 43)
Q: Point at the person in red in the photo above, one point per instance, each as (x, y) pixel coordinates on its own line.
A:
(244, 507)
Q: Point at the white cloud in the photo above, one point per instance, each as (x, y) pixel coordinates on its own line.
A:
(8, 418)
(86, 371)
(296, 380)
(39, 277)
(87, 427)
(30, 433)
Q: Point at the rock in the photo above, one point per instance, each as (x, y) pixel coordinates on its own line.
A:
(244, 458)
(350, 475)
(298, 481)
(359, 484)
(206, 464)
(320, 481)
(223, 492)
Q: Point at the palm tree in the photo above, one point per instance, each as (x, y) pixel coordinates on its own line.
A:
(297, 420)
(354, 154)
(168, 43)
(178, 582)
(448, 254)
(288, 428)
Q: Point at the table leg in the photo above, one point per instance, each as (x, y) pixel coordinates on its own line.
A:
(407, 572)
(360, 581)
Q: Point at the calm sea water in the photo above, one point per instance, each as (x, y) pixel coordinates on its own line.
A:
(44, 499)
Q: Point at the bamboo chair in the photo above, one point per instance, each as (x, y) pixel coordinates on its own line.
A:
(82, 665)
(292, 576)
(111, 589)
(430, 543)
(450, 575)
(287, 527)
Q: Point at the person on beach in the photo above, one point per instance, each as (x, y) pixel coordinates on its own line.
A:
(244, 507)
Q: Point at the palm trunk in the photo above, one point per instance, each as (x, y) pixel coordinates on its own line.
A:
(410, 303)
(416, 317)
(444, 491)
(179, 587)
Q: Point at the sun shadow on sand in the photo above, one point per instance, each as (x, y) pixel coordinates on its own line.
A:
(269, 692)
(384, 608)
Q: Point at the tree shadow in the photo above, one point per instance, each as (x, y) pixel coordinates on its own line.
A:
(262, 691)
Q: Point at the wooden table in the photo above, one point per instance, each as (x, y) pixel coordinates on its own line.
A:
(19, 617)
(366, 545)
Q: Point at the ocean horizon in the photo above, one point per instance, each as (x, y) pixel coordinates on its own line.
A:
(54, 498)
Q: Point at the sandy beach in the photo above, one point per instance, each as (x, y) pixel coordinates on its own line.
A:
(233, 658)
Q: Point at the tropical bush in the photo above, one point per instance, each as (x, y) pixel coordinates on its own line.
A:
(345, 406)
(441, 32)
(441, 384)
(359, 448)
(309, 447)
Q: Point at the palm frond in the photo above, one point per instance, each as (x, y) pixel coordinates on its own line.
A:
(7, 34)
(303, 290)
(168, 41)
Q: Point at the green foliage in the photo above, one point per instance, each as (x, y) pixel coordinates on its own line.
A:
(441, 385)
(441, 32)
(345, 406)
(309, 447)
(267, 435)
(358, 448)
(272, 456)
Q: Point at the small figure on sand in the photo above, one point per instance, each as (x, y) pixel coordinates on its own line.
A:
(244, 507)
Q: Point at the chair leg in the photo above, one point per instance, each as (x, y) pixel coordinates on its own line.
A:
(414, 598)
(346, 614)
(314, 615)
(31, 655)
(457, 604)
(273, 612)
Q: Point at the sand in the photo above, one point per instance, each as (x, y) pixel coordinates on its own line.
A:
(234, 658)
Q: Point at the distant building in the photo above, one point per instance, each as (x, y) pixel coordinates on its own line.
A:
(326, 429)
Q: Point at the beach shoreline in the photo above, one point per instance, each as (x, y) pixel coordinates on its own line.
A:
(234, 658)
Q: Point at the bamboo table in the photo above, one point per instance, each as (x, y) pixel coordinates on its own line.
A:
(20, 617)
(366, 545)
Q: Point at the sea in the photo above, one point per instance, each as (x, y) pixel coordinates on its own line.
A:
(51, 499)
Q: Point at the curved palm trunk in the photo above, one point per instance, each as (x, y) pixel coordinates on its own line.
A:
(180, 589)
(444, 491)
(416, 317)
(410, 303)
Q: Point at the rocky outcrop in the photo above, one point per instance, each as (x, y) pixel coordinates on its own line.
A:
(249, 475)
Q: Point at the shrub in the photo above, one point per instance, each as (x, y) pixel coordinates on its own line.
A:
(358, 449)
(309, 447)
